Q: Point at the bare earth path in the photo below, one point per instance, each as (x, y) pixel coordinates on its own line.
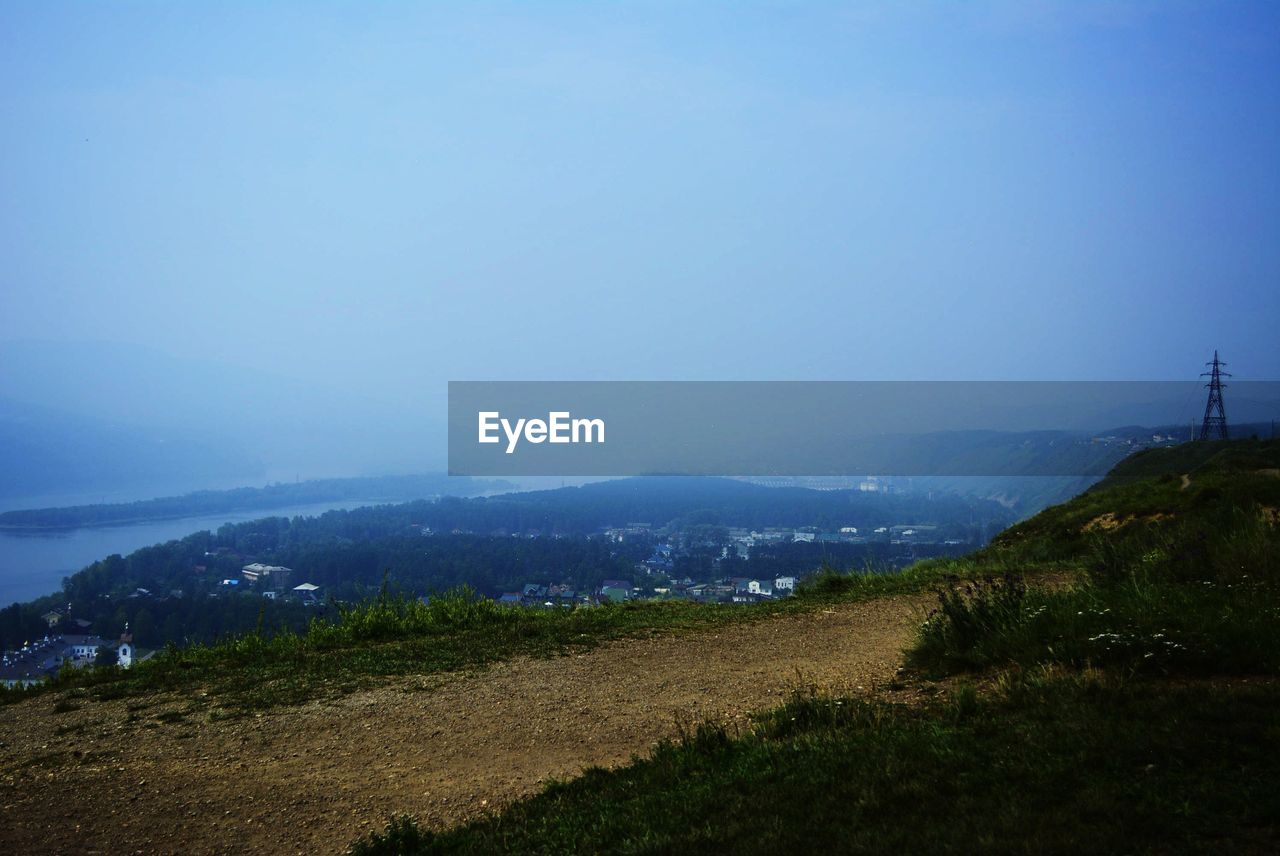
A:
(312, 778)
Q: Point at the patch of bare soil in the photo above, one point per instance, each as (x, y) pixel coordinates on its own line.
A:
(1105, 522)
(1109, 521)
(140, 776)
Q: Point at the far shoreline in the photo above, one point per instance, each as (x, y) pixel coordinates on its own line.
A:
(366, 490)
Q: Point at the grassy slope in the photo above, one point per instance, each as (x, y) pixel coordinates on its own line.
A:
(1107, 725)
(1082, 765)
(400, 637)
(1221, 478)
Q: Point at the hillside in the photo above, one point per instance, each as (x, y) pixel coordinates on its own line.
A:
(1181, 495)
(1220, 456)
(1102, 678)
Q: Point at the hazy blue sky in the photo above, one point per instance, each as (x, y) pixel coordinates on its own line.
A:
(386, 196)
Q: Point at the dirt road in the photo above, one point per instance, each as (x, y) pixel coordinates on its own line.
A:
(311, 779)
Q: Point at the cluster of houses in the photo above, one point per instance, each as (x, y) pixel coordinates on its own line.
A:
(1139, 441)
(742, 542)
(534, 594)
(36, 661)
(735, 542)
(729, 590)
(273, 581)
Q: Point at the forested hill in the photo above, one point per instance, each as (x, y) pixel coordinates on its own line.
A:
(200, 503)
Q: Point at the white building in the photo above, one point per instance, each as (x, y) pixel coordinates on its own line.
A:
(307, 592)
(82, 647)
(257, 571)
(126, 652)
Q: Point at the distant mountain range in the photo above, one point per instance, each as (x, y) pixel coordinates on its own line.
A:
(86, 418)
(80, 417)
(44, 450)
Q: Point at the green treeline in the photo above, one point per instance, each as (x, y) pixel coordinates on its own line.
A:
(200, 503)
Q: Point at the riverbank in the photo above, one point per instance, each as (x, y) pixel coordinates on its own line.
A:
(260, 500)
(33, 562)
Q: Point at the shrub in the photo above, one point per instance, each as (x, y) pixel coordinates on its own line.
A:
(968, 614)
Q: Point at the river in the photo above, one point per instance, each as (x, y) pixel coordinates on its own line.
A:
(33, 564)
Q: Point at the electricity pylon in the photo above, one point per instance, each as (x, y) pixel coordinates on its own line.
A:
(1215, 417)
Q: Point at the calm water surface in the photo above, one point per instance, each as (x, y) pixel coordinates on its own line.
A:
(32, 565)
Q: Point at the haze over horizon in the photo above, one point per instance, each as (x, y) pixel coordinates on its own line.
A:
(766, 426)
(319, 214)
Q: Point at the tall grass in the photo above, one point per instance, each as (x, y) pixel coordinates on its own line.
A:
(1198, 596)
(883, 580)
(969, 615)
(395, 617)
